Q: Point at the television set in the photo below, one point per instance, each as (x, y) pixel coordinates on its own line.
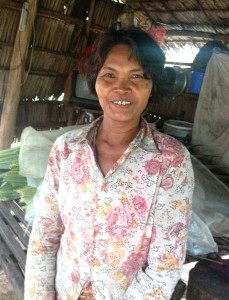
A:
(80, 95)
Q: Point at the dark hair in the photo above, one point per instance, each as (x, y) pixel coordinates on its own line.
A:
(141, 45)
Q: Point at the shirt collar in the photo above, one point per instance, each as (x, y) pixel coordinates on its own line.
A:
(89, 132)
(144, 139)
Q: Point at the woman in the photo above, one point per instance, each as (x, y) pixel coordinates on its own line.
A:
(115, 208)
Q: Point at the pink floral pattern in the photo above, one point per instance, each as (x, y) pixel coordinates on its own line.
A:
(75, 275)
(123, 235)
(152, 167)
(133, 263)
(119, 222)
(79, 171)
(167, 183)
(140, 205)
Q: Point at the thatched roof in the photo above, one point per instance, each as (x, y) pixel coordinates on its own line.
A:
(62, 30)
(192, 19)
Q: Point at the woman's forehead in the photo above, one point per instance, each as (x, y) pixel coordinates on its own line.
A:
(122, 50)
(120, 55)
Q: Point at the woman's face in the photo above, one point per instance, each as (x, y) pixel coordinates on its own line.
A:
(122, 90)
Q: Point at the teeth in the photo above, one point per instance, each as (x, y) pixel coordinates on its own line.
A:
(122, 102)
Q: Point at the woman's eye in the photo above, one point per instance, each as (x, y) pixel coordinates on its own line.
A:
(109, 75)
(136, 76)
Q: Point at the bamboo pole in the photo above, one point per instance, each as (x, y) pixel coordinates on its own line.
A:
(16, 78)
(90, 16)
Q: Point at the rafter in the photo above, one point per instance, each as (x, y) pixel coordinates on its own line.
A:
(195, 34)
(9, 4)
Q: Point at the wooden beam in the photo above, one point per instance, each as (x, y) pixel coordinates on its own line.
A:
(193, 40)
(164, 2)
(178, 63)
(70, 7)
(90, 16)
(88, 24)
(40, 72)
(190, 33)
(16, 78)
(46, 73)
(68, 20)
(9, 4)
(206, 15)
(38, 49)
(183, 11)
(155, 2)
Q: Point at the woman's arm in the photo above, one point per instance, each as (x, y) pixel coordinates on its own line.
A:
(44, 239)
(171, 224)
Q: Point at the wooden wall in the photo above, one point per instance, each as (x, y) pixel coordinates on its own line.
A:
(43, 115)
(183, 107)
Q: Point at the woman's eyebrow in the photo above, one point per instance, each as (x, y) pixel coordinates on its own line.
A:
(107, 68)
(113, 69)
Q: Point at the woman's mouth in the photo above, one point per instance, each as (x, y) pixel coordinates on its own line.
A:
(122, 102)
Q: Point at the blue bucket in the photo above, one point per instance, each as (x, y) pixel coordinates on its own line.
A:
(196, 82)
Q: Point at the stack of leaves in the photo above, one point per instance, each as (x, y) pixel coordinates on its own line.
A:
(9, 157)
(26, 195)
(12, 185)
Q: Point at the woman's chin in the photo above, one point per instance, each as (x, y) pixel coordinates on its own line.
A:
(121, 113)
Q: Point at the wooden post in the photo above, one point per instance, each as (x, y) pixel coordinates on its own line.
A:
(16, 78)
(90, 16)
(88, 24)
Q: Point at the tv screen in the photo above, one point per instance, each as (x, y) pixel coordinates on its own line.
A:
(81, 96)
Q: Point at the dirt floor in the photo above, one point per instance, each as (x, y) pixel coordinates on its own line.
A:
(6, 290)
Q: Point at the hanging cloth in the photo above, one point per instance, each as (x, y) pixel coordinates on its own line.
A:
(210, 134)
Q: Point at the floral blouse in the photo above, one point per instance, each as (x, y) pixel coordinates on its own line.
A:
(124, 233)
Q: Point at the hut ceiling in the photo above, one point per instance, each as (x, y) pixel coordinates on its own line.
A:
(187, 20)
(63, 28)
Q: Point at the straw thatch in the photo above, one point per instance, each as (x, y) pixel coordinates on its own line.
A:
(195, 21)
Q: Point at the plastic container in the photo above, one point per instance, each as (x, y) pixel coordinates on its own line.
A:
(196, 82)
(181, 130)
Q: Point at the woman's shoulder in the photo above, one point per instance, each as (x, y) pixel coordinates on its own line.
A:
(168, 144)
(72, 136)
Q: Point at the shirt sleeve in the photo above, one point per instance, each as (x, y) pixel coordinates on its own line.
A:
(172, 215)
(45, 237)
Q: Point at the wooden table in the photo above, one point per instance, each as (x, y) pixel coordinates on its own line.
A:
(14, 237)
(206, 283)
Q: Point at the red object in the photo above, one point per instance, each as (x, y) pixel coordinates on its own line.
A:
(84, 53)
(158, 34)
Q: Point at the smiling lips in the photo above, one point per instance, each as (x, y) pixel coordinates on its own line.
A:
(122, 102)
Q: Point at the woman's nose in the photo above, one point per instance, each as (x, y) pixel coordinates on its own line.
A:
(123, 84)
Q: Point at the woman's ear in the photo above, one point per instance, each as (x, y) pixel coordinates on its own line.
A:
(154, 95)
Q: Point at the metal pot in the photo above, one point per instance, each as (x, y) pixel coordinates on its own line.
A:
(175, 83)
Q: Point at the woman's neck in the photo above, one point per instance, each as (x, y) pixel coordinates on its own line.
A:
(111, 142)
(117, 134)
